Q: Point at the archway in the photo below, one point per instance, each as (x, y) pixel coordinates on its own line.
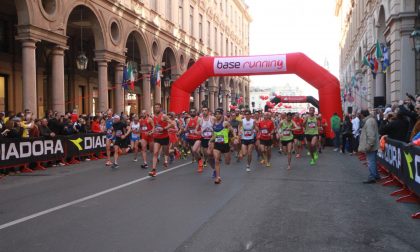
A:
(168, 72)
(292, 63)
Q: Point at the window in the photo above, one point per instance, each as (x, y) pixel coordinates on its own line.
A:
(4, 36)
(95, 101)
(181, 14)
(3, 91)
(200, 27)
(208, 33)
(191, 20)
(221, 44)
(168, 9)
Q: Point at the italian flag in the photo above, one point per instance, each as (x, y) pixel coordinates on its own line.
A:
(157, 75)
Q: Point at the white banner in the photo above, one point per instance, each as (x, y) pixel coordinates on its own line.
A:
(251, 64)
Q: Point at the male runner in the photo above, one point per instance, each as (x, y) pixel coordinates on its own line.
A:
(135, 131)
(206, 123)
(298, 135)
(161, 137)
(120, 133)
(146, 126)
(266, 129)
(109, 136)
(193, 134)
(311, 134)
(247, 130)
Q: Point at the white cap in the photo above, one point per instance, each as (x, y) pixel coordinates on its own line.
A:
(116, 117)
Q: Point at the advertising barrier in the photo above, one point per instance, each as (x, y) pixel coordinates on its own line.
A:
(16, 152)
(404, 162)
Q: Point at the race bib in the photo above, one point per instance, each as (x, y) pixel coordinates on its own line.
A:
(158, 129)
(220, 139)
(286, 133)
(207, 133)
(312, 125)
(235, 130)
(118, 133)
(264, 131)
(247, 133)
(144, 128)
(192, 131)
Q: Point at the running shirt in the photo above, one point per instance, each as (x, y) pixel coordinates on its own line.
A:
(108, 127)
(119, 127)
(145, 126)
(221, 133)
(248, 132)
(286, 130)
(191, 129)
(135, 130)
(266, 127)
(299, 123)
(235, 125)
(311, 127)
(206, 128)
(160, 125)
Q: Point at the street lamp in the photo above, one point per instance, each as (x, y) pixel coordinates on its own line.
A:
(415, 36)
(81, 59)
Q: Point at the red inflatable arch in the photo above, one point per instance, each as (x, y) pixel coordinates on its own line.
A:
(291, 63)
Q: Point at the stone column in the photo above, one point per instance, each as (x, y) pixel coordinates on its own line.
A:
(146, 101)
(196, 99)
(103, 85)
(216, 100)
(58, 98)
(243, 93)
(29, 75)
(408, 67)
(119, 90)
(224, 100)
(202, 95)
(211, 100)
(380, 84)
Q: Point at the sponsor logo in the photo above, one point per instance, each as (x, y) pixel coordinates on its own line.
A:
(89, 142)
(251, 65)
(391, 155)
(30, 149)
(414, 175)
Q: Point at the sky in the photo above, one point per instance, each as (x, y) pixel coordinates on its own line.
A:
(285, 26)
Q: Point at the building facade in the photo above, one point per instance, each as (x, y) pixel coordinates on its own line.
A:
(378, 63)
(71, 54)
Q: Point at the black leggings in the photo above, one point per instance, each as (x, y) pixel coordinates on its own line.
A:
(347, 137)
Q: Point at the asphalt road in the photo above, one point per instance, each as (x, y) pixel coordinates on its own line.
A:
(88, 207)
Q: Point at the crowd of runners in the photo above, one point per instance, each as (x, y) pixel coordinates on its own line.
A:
(207, 137)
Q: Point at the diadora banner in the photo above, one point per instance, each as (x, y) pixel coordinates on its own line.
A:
(403, 161)
(253, 64)
(21, 151)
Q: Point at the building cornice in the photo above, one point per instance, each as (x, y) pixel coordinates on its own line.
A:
(37, 33)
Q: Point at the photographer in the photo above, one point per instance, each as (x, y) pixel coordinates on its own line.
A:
(395, 126)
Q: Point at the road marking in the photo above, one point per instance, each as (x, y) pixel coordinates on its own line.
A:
(35, 215)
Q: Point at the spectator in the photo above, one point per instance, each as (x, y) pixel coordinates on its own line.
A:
(347, 133)
(2, 122)
(74, 116)
(395, 126)
(55, 124)
(416, 128)
(95, 127)
(44, 130)
(356, 131)
(27, 124)
(335, 126)
(369, 141)
(34, 132)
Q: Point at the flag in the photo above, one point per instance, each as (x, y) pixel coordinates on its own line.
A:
(365, 61)
(129, 77)
(379, 54)
(385, 61)
(372, 66)
(125, 79)
(375, 65)
(157, 75)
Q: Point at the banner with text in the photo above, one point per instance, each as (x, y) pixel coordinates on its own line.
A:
(404, 162)
(253, 64)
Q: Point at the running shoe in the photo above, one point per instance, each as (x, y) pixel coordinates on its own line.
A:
(316, 156)
(205, 163)
(218, 180)
(200, 166)
(262, 162)
(297, 155)
(135, 160)
(108, 163)
(171, 158)
(247, 168)
(153, 173)
(115, 166)
(214, 174)
(312, 162)
(165, 164)
(268, 164)
(144, 166)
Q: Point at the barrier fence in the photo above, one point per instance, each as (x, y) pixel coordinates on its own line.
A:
(18, 152)
(403, 164)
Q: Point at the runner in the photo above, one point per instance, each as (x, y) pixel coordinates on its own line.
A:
(298, 135)
(286, 137)
(220, 139)
(266, 129)
(247, 130)
(109, 136)
(235, 120)
(146, 126)
(193, 133)
(135, 131)
(173, 138)
(322, 125)
(120, 133)
(161, 137)
(311, 135)
(257, 119)
(206, 123)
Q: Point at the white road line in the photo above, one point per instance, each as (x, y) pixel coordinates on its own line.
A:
(35, 215)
